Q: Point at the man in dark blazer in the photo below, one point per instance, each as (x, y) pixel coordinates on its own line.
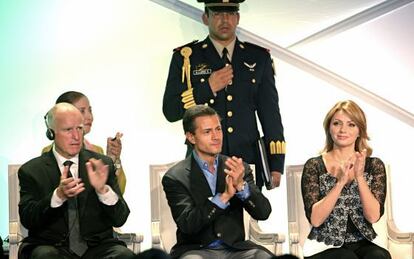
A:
(238, 85)
(49, 187)
(207, 193)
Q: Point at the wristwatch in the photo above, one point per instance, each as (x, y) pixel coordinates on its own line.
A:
(118, 164)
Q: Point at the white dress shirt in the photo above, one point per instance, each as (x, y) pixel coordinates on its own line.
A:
(109, 198)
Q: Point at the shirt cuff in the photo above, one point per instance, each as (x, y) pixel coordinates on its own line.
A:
(56, 202)
(245, 194)
(216, 200)
(109, 198)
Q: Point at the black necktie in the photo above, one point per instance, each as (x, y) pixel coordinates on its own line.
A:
(225, 56)
(76, 243)
(226, 61)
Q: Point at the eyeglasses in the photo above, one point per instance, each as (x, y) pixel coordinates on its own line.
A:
(222, 14)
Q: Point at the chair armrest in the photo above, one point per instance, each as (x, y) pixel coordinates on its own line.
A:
(156, 236)
(294, 240)
(14, 237)
(396, 235)
(132, 240)
(294, 246)
(266, 238)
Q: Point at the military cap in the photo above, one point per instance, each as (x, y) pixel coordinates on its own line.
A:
(222, 5)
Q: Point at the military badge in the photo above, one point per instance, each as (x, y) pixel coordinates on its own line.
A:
(250, 66)
(202, 69)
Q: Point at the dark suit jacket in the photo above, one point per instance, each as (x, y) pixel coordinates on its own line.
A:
(39, 178)
(253, 90)
(199, 221)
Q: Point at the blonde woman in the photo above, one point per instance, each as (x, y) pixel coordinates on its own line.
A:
(344, 190)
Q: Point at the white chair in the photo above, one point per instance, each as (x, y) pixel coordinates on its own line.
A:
(163, 226)
(398, 243)
(17, 232)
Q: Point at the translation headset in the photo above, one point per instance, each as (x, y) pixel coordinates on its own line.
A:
(50, 134)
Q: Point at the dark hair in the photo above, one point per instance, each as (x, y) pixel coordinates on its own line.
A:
(70, 97)
(192, 113)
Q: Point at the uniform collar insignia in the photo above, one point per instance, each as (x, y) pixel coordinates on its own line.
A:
(250, 66)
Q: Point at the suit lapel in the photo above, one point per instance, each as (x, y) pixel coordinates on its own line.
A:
(198, 183)
(237, 60)
(221, 176)
(53, 175)
(53, 172)
(211, 55)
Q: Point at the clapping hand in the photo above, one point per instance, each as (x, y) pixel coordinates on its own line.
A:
(229, 191)
(359, 166)
(69, 187)
(98, 174)
(235, 169)
(345, 171)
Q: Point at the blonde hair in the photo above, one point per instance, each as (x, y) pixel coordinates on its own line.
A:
(357, 115)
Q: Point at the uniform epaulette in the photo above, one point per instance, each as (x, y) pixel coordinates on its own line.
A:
(185, 45)
(256, 46)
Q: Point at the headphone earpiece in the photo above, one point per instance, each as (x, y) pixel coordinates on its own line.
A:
(50, 134)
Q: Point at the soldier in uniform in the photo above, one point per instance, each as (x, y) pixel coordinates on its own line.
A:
(236, 79)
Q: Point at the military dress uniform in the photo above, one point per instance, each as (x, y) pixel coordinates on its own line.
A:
(252, 90)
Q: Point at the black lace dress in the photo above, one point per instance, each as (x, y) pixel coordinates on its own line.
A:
(346, 223)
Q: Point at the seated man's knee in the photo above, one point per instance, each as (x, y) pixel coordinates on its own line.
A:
(286, 256)
(45, 252)
(261, 254)
(153, 253)
(123, 252)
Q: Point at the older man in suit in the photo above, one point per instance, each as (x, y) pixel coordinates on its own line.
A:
(69, 197)
(207, 193)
